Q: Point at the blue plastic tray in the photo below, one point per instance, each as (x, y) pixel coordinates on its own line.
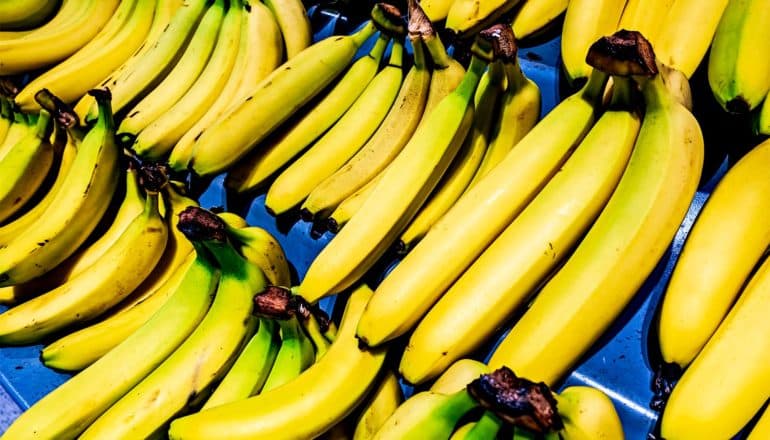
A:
(622, 364)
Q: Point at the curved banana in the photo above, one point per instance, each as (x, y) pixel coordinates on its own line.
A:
(391, 136)
(74, 212)
(762, 429)
(352, 204)
(33, 51)
(68, 10)
(380, 405)
(727, 240)
(622, 247)
(250, 371)
(342, 141)
(191, 368)
(290, 86)
(294, 23)
(478, 217)
(535, 15)
(588, 414)
(738, 71)
(69, 409)
(179, 79)
(645, 17)
(259, 53)
(234, 221)
(729, 380)
(25, 166)
(427, 415)
(320, 397)
(467, 17)
(295, 355)
(86, 68)
(686, 32)
(584, 22)
(263, 250)
(458, 375)
(116, 274)
(278, 150)
(26, 14)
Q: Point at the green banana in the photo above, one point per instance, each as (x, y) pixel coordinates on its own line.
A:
(295, 355)
(427, 415)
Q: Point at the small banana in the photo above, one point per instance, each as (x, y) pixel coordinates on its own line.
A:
(584, 22)
(380, 405)
(535, 15)
(458, 375)
(762, 429)
(588, 414)
(320, 397)
(294, 23)
(26, 14)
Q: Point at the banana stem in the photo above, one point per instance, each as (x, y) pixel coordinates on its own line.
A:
(379, 47)
(418, 52)
(103, 99)
(6, 109)
(487, 427)
(396, 54)
(363, 34)
(43, 127)
(593, 90)
(438, 54)
(387, 18)
(622, 93)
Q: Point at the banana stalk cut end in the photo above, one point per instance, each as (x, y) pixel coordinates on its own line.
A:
(388, 19)
(153, 176)
(623, 53)
(419, 24)
(198, 224)
(280, 303)
(503, 42)
(63, 114)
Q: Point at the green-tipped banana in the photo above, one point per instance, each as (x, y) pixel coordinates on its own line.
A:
(427, 415)
(294, 357)
(263, 250)
(763, 118)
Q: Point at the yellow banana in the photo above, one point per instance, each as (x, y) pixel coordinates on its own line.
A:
(380, 405)
(341, 142)
(477, 218)
(523, 255)
(535, 15)
(467, 17)
(762, 429)
(191, 368)
(233, 220)
(352, 204)
(588, 414)
(74, 212)
(458, 375)
(68, 410)
(686, 32)
(68, 10)
(646, 17)
(728, 239)
(26, 14)
(729, 380)
(624, 244)
(294, 23)
(738, 71)
(436, 10)
(276, 98)
(584, 22)
(33, 51)
(320, 397)
(279, 149)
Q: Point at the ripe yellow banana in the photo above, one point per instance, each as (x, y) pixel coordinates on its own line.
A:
(686, 32)
(33, 51)
(260, 51)
(427, 415)
(728, 239)
(191, 368)
(646, 17)
(477, 218)
(398, 195)
(584, 22)
(523, 255)
(534, 15)
(352, 204)
(26, 14)
(68, 410)
(762, 429)
(320, 397)
(394, 132)
(276, 98)
(738, 70)
(86, 68)
(624, 244)
(588, 414)
(458, 376)
(380, 405)
(467, 17)
(436, 10)
(729, 380)
(294, 23)
(279, 149)
(74, 212)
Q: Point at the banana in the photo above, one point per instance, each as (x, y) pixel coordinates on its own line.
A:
(118, 272)
(320, 397)
(523, 255)
(738, 72)
(391, 136)
(478, 217)
(458, 375)
(279, 149)
(263, 250)
(625, 242)
(68, 410)
(250, 371)
(34, 51)
(584, 22)
(317, 336)
(467, 17)
(518, 113)
(645, 17)
(762, 429)
(161, 134)
(762, 125)
(6, 118)
(686, 32)
(191, 368)
(486, 427)
(26, 14)
(74, 212)
(179, 79)
(717, 258)
(436, 10)
(352, 204)
(294, 23)
(68, 10)
(25, 166)
(295, 355)
(427, 415)
(259, 53)
(86, 68)
(20, 126)
(588, 414)
(234, 221)
(380, 405)
(276, 98)
(728, 382)
(535, 15)
(341, 142)
(147, 67)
